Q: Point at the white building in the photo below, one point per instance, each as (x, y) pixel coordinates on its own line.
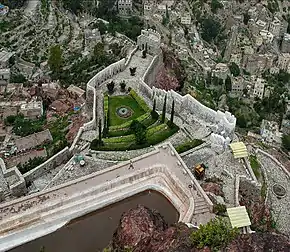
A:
(147, 6)
(4, 76)
(150, 39)
(186, 19)
(124, 6)
(270, 132)
(259, 88)
(266, 36)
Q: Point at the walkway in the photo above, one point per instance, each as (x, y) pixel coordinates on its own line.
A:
(280, 207)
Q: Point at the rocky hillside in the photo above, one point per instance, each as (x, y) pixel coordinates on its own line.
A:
(144, 230)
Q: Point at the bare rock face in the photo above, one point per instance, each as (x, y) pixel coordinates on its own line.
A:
(213, 188)
(144, 230)
(259, 242)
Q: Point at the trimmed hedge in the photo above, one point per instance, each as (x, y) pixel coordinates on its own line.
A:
(106, 104)
(127, 124)
(140, 101)
(188, 145)
(155, 135)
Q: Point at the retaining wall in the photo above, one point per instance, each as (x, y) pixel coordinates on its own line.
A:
(49, 164)
(19, 187)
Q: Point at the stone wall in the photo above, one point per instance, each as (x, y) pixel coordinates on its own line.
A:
(18, 186)
(49, 164)
(152, 71)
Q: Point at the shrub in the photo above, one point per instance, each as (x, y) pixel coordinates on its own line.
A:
(111, 86)
(154, 114)
(96, 143)
(126, 125)
(123, 85)
(188, 145)
(219, 209)
(139, 130)
(215, 234)
(139, 100)
(106, 104)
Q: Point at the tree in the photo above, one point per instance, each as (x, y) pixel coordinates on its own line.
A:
(246, 18)
(55, 59)
(210, 29)
(286, 142)
(215, 5)
(123, 86)
(154, 113)
(106, 129)
(164, 110)
(100, 131)
(172, 114)
(111, 86)
(228, 84)
(132, 70)
(139, 130)
(235, 70)
(144, 54)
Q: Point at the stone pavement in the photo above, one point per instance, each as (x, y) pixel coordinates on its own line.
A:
(280, 207)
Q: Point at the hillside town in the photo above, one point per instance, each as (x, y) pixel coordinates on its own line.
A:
(144, 118)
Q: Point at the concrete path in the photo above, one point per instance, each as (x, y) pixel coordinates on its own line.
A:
(31, 6)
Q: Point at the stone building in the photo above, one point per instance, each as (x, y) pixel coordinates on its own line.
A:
(255, 63)
(285, 46)
(283, 61)
(4, 58)
(275, 27)
(147, 7)
(221, 71)
(270, 132)
(151, 40)
(125, 6)
(185, 19)
(259, 88)
(32, 110)
(266, 36)
(4, 76)
(238, 85)
(76, 91)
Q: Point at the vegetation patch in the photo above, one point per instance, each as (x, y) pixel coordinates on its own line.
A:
(256, 167)
(188, 145)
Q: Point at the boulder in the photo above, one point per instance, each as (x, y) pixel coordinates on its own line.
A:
(213, 188)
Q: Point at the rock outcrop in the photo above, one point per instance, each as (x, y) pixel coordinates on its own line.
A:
(144, 230)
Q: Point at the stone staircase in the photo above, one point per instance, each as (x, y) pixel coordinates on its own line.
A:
(200, 206)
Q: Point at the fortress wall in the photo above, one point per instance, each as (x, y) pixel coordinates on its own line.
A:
(51, 163)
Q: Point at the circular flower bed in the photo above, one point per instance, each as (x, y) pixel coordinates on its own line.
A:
(279, 190)
(124, 112)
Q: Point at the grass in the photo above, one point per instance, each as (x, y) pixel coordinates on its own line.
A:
(124, 100)
(255, 166)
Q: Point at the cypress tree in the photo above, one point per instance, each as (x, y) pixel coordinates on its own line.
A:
(100, 131)
(172, 114)
(164, 109)
(105, 130)
(154, 105)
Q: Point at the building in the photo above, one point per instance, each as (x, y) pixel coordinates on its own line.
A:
(4, 58)
(259, 88)
(147, 7)
(255, 63)
(283, 61)
(4, 76)
(238, 85)
(270, 132)
(266, 36)
(275, 27)
(149, 39)
(124, 6)
(3, 9)
(256, 27)
(76, 91)
(33, 140)
(32, 109)
(185, 19)
(221, 71)
(285, 46)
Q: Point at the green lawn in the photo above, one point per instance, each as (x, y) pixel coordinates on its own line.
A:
(123, 100)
